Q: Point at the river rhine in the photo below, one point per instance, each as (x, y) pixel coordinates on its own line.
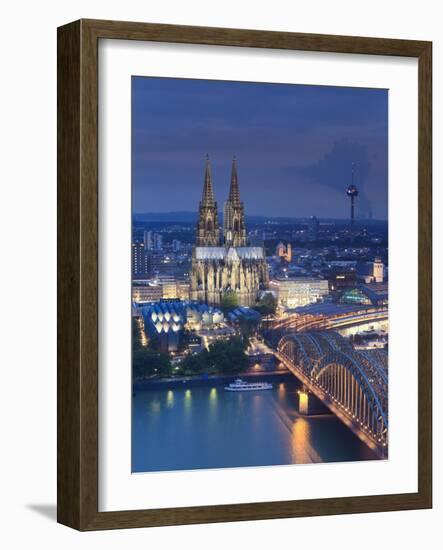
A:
(207, 427)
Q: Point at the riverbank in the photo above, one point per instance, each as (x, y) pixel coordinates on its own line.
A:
(214, 380)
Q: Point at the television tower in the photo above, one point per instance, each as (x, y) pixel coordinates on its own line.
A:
(352, 192)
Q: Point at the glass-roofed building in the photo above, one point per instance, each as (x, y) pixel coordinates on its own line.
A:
(372, 294)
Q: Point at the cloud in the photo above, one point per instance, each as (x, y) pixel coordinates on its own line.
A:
(296, 142)
(335, 169)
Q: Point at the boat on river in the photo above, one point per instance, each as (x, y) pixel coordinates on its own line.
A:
(241, 385)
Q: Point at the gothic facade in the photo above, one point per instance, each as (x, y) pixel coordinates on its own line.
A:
(223, 262)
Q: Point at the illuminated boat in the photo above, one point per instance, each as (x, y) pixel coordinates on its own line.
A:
(241, 385)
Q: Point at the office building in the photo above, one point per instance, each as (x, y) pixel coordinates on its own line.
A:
(299, 291)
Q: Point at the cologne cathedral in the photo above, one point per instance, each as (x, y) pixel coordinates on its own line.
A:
(222, 261)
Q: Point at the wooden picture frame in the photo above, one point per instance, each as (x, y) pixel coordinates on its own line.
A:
(78, 274)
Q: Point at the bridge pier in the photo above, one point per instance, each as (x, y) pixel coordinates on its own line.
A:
(309, 404)
(303, 401)
(347, 382)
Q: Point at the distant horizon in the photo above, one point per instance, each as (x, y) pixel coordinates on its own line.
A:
(220, 212)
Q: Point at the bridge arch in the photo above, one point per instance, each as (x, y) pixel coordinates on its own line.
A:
(354, 382)
(299, 349)
(344, 379)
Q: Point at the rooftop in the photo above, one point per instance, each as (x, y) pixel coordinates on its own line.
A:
(301, 280)
(330, 308)
(222, 253)
(245, 313)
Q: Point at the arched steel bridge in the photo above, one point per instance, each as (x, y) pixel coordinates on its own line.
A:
(352, 384)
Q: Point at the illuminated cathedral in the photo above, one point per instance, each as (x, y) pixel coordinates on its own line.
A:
(222, 261)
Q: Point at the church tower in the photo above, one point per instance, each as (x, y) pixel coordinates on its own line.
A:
(378, 270)
(208, 232)
(229, 266)
(234, 227)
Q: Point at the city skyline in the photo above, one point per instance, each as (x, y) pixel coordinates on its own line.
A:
(260, 306)
(292, 142)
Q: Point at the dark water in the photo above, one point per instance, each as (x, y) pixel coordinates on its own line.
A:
(207, 427)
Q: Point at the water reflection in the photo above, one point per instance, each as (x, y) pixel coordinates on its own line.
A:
(188, 400)
(206, 427)
(213, 397)
(302, 450)
(170, 399)
(213, 402)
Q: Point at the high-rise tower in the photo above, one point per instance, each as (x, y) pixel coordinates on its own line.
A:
(234, 227)
(352, 193)
(208, 231)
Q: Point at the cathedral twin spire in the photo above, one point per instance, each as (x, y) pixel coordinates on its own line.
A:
(234, 193)
(234, 229)
(208, 231)
(208, 192)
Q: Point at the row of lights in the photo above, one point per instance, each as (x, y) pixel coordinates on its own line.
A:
(363, 426)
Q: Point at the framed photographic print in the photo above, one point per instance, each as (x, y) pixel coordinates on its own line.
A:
(244, 275)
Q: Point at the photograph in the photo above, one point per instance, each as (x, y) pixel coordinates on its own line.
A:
(260, 269)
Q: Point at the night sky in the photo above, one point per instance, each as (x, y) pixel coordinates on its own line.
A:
(295, 146)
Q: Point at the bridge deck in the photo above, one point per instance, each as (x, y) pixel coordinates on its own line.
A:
(320, 394)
